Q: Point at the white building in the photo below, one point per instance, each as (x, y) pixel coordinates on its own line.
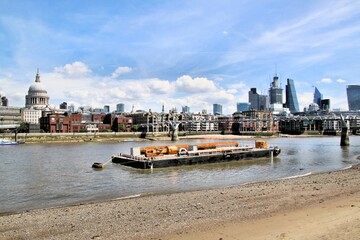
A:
(31, 115)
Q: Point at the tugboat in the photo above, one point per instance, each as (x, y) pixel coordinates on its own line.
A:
(177, 155)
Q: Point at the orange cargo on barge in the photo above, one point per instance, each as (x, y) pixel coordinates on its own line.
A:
(184, 154)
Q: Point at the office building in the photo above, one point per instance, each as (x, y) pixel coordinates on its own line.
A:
(106, 108)
(63, 105)
(242, 106)
(98, 110)
(353, 96)
(120, 108)
(10, 117)
(317, 97)
(325, 104)
(263, 102)
(275, 91)
(185, 109)
(31, 115)
(217, 109)
(291, 97)
(254, 99)
(257, 101)
(71, 108)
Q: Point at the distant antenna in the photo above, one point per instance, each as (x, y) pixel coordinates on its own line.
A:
(275, 69)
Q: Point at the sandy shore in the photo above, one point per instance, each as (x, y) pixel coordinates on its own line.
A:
(319, 206)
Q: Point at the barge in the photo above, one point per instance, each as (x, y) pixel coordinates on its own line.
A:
(184, 154)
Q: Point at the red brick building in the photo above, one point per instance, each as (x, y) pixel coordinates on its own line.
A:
(56, 123)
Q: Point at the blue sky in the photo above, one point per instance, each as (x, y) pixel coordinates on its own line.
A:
(177, 52)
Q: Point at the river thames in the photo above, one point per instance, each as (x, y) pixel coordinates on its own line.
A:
(34, 176)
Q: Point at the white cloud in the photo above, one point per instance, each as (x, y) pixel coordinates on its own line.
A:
(194, 85)
(120, 71)
(74, 69)
(232, 91)
(325, 80)
(117, 93)
(159, 86)
(305, 99)
(340, 80)
(221, 97)
(82, 94)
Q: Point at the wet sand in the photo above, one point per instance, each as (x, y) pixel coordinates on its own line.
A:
(319, 206)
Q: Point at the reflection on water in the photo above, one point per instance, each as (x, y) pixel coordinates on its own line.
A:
(46, 175)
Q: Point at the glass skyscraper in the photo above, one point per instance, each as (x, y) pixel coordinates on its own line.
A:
(254, 99)
(291, 97)
(317, 97)
(275, 92)
(217, 109)
(106, 108)
(120, 107)
(353, 96)
(185, 109)
(242, 106)
(257, 101)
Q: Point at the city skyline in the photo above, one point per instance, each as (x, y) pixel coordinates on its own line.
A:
(178, 53)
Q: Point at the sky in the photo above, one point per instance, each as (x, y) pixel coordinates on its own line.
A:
(147, 54)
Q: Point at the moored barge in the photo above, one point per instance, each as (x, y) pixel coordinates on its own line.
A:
(184, 154)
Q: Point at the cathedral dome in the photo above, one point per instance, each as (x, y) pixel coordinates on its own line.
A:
(37, 97)
(37, 87)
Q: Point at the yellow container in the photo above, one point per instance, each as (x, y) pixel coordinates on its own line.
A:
(172, 149)
(261, 144)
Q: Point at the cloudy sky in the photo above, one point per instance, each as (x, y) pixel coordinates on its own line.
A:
(177, 52)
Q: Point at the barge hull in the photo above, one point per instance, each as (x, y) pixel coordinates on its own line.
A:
(196, 159)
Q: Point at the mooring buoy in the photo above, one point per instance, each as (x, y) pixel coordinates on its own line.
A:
(100, 165)
(97, 165)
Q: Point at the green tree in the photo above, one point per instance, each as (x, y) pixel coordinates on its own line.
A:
(23, 128)
(134, 128)
(122, 127)
(115, 125)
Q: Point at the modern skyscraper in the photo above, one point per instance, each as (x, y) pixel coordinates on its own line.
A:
(257, 101)
(325, 104)
(120, 108)
(63, 105)
(291, 98)
(254, 99)
(275, 91)
(106, 108)
(353, 96)
(263, 102)
(317, 97)
(242, 106)
(217, 109)
(186, 109)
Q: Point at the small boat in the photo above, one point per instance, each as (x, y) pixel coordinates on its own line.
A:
(177, 155)
(7, 142)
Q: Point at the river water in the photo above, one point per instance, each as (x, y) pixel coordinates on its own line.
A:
(36, 176)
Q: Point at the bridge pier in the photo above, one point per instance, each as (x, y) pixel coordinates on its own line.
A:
(344, 133)
(174, 131)
(344, 137)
